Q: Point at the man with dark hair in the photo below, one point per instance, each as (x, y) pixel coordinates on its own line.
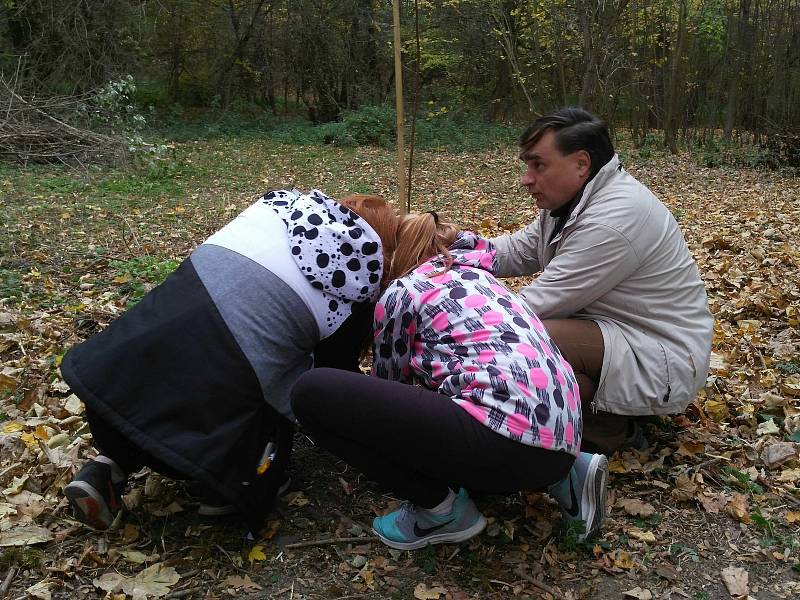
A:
(618, 290)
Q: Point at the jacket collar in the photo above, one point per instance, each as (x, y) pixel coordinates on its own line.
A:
(603, 175)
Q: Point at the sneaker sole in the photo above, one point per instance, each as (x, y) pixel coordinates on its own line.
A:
(209, 510)
(88, 505)
(439, 538)
(594, 495)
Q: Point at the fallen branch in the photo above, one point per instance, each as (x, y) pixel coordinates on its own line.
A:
(538, 584)
(7, 582)
(329, 541)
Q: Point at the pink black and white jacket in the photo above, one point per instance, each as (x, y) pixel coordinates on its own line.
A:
(469, 337)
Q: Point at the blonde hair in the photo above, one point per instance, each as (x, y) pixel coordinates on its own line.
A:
(420, 237)
(381, 217)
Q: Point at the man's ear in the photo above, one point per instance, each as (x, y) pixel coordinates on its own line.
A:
(583, 162)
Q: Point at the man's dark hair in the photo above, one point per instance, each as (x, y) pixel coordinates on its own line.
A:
(575, 129)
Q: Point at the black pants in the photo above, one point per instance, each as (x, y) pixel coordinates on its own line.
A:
(414, 441)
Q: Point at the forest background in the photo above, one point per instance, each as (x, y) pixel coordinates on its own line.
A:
(695, 71)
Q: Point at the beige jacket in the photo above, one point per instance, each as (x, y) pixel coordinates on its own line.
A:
(621, 261)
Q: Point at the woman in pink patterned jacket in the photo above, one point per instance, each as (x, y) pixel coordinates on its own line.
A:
(497, 409)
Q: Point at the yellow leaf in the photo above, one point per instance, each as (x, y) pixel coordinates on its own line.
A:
(716, 409)
(121, 278)
(642, 536)
(256, 553)
(41, 433)
(623, 560)
(30, 441)
(792, 516)
(12, 427)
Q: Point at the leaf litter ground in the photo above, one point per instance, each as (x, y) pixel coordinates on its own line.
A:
(711, 510)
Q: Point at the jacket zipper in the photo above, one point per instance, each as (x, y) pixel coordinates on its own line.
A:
(669, 379)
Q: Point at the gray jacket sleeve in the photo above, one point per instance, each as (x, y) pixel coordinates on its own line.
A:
(518, 254)
(590, 262)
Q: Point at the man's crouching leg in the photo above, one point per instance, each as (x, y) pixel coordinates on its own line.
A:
(581, 344)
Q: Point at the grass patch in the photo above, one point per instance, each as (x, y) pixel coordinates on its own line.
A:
(138, 275)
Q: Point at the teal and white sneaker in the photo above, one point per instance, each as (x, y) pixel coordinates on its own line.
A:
(582, 493)
(410, 527)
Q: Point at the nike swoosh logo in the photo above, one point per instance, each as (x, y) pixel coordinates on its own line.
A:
(423, 531)
(574, 509)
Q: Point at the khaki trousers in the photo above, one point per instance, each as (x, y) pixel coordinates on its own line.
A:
(581, 343)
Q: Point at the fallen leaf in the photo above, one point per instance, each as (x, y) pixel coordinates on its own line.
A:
(640, 535)
(735, 580)
(639, 593)
(17, 484)
(690, 448)
(667, 571)
(775, 454)
(768, 427)
(244, 583)
(712, 502)
(790, 475)
(73, 405)
(41, 590)
(423, 592)
(791, 386)
(25, 536)
(256, 553)
(270, 528)
(716, 409)
(130, 533)
(623, 560)
(792, 517)
(738, 508)
(153, 582)
(635, 507)
(685, 489)
(296, 499)
(134, 556)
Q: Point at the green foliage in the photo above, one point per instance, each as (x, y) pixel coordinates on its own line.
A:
(25, 558)
(367, 126)
(791, 367)
(741, 480)
(140, 274)
(426, 559)
(10, 285)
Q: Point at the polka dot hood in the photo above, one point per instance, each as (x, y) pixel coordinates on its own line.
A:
(467, 336)
(336, 250)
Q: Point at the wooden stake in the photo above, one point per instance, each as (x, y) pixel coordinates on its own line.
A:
(398, 96)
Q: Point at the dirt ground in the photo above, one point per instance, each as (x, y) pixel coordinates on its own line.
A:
(709, 511)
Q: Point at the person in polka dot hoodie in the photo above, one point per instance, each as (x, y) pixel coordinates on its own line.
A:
(495, 408)
(464, 334)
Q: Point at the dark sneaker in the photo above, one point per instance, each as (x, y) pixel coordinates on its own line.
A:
(409, 528)
(635, 438)
(588, 485)
(213, 505)
(94, 498)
